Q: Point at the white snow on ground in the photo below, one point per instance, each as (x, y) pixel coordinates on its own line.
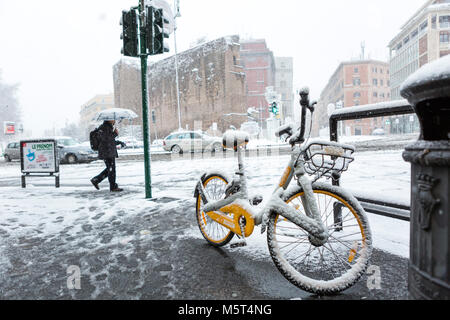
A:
(40, 204)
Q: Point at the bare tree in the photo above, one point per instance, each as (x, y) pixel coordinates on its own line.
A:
(9, 104)
(73, 130)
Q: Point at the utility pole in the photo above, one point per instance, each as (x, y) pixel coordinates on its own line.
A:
(145, 120)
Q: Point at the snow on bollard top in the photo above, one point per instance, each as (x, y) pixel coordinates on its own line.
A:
(429, 82)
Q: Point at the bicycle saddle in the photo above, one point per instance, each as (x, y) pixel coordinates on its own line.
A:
(232, 139)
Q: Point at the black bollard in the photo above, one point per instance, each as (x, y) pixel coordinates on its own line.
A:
(428, 91)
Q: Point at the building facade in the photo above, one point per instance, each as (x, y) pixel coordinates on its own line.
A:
(89, 110)
(424, 38)
(353, 83)
(258, 64)
(284, 85)
(211, 85)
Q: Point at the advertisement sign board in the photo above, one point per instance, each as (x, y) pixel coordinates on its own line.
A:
(9, 127)
(39, 157)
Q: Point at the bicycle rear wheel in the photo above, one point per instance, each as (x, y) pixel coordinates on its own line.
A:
(216, 234)
(334, 266)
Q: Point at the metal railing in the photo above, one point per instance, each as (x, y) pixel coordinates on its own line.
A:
(383, 109)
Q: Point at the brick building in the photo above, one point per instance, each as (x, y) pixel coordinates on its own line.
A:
(258, 64)
(211, 84)
(354, 83)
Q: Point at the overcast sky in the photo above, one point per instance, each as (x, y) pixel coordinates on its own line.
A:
(62, 52)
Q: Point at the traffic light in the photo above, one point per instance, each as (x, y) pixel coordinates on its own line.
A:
(130, 33)
(274, 109)
(156, 32)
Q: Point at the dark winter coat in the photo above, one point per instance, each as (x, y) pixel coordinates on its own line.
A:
(107, 142)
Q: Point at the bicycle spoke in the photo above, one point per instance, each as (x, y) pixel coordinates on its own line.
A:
(339, 227)
(339, 258)
(306, 254)
(350, 248)
(299, 243)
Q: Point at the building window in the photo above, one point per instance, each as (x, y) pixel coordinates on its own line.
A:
(406, 40)
(444, 21)
(356, 81)
(356, 103)
(433, 22)
(423, 26)
(375, 94)
(356, 70)
(381, 70)
(381, 82)
(357, 95)
(444, 37)
(375, 82)
(414, 34)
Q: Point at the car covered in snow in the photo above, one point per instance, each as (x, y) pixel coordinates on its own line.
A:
(12, 151)
(191, 141)
(130, 143)
(71, 151)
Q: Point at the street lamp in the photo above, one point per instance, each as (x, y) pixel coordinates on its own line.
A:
(177, 14)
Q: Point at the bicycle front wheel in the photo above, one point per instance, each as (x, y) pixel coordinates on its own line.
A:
(334, 266)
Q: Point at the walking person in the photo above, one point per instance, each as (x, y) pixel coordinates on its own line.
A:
(107, 152)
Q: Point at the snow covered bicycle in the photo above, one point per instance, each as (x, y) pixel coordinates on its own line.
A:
(318, 234)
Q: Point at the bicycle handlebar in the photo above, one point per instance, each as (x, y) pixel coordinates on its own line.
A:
(299, 137)
(285, 130)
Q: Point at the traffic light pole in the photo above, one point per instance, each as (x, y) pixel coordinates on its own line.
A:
(145, 117)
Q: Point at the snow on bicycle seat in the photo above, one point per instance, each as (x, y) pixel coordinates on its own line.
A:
(232, 139)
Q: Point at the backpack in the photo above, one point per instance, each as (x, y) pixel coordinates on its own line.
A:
(94, 139)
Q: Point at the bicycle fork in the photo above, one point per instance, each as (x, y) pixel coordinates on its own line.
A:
(311, 221)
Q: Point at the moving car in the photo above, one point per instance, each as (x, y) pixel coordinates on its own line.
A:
(191, 141)
(71, 151)
(12, 151)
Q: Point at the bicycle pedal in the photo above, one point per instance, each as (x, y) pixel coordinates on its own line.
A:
(238, 244)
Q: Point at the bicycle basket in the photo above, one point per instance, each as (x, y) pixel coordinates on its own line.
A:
(325, 158)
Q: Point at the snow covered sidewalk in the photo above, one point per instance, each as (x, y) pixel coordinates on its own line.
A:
(123, 241)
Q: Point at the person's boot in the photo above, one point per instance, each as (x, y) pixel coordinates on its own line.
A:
(116, 189)
(95, 183)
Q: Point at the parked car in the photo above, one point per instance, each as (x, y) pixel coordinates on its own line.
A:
(12, 151)
(158, 143)
(191, 141)
(131, 143)
(378, 132)
(71, 151)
